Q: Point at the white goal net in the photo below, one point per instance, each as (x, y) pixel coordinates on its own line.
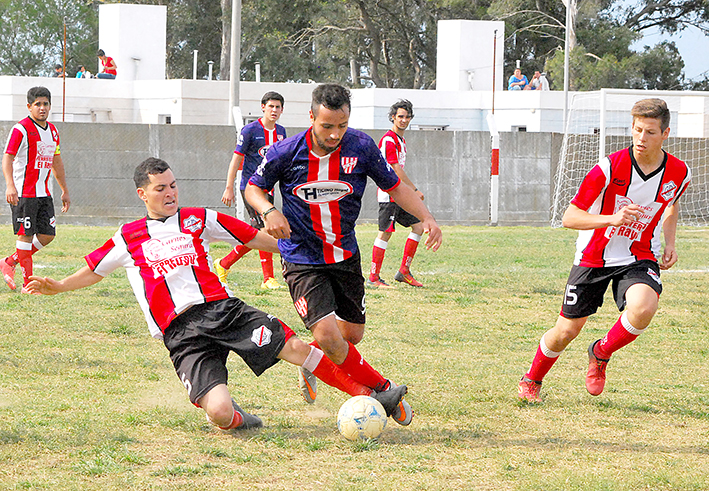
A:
(599, 124)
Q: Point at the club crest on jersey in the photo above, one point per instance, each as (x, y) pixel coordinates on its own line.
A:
(262, 151)
(192, 223)
(261, 336)
(317, 192)
(301, 306)
(348, 164)
(668, 190)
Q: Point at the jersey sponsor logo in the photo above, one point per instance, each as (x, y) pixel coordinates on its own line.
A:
(261, 336)
(301, 306)
(45, 155)
(668, 190)
(164, 257)
(317, 192)
(348, 164)
(192, 223)
(634, 230)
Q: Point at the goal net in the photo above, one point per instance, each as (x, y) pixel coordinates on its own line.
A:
(599, 124)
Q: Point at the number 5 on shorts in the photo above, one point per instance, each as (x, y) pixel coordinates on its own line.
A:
(570, 298)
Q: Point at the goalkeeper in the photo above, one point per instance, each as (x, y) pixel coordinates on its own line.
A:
(618, 211)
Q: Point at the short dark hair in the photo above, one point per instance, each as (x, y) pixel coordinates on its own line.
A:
(652, 108)
(148, 167)
(332, 96)
(57, 66)
(36, 92)
(100, 53)
(401, 104)
(273, 96)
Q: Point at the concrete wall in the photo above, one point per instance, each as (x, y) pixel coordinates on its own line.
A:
(452, 168)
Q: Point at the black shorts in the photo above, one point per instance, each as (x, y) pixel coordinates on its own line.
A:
(34, 216)
(391, 213)
(318, 290)
(256, 220)
(199, 341)
(586, 286)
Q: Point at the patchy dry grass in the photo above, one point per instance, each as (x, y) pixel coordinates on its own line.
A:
(88, 401)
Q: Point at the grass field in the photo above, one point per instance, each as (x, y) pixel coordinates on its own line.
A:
(88, 401)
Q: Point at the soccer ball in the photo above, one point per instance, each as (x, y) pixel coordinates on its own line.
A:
(361, 418)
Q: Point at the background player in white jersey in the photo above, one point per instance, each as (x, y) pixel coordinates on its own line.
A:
(166, 257)
(31, 154)
(252, 144)
(618, 211)
(393, 148)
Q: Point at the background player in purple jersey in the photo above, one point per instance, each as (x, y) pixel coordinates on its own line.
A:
(31, 155)
(322, 173)
(166, 257)
(252, 144)
(393, 148)
(618, 211)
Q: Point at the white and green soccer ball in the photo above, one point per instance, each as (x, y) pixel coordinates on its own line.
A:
(361, 418)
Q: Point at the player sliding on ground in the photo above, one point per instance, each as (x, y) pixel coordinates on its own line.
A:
(618, 211)
(166, 256)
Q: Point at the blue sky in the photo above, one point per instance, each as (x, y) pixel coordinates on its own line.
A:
(693, 46)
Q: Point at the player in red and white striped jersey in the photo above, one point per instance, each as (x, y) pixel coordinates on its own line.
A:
(166, 257)
(393, 148)
(621, 209)
(31, 153)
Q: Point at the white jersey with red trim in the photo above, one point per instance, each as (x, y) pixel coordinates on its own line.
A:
(34, 149)
(617, 181)
(168, 262)
(393, 148)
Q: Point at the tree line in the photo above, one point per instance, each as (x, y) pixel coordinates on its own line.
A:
(380, 43)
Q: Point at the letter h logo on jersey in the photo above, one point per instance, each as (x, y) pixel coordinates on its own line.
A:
(348, 164)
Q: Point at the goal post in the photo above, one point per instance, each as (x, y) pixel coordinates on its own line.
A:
(599, 123)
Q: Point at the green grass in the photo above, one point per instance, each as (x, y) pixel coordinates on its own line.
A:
(88, 401)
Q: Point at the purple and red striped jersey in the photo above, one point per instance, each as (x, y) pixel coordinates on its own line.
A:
(34, 149)
(322, 196)
(393, 148)
(615, 182)
(253, 142)
(168, 262)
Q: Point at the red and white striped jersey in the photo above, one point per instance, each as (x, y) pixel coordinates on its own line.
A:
(168, 262)
(617, 181)
(34, 149)
(393, 148)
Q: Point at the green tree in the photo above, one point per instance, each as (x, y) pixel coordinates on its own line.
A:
(32, 37)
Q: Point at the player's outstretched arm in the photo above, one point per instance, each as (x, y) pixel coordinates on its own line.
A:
(577, 219)
(263, 242)
(407, 198)
(275, 224)
(669, 230)
(48, 286)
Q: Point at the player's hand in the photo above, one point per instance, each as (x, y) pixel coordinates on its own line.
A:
(66, 202)
(11, 196)
(276, 225)
(43, 285)
(626, 215)
(228, 197)
(669, 258)
(435, 236)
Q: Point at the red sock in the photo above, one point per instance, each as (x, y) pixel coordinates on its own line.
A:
(332, 375)
(544, 359)
(235, 254)
(236, 420)
(378, 251)
(266, 264)
(25, 260)
(410, 247)
(14, 259)
(621, 334)
(357, 367)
